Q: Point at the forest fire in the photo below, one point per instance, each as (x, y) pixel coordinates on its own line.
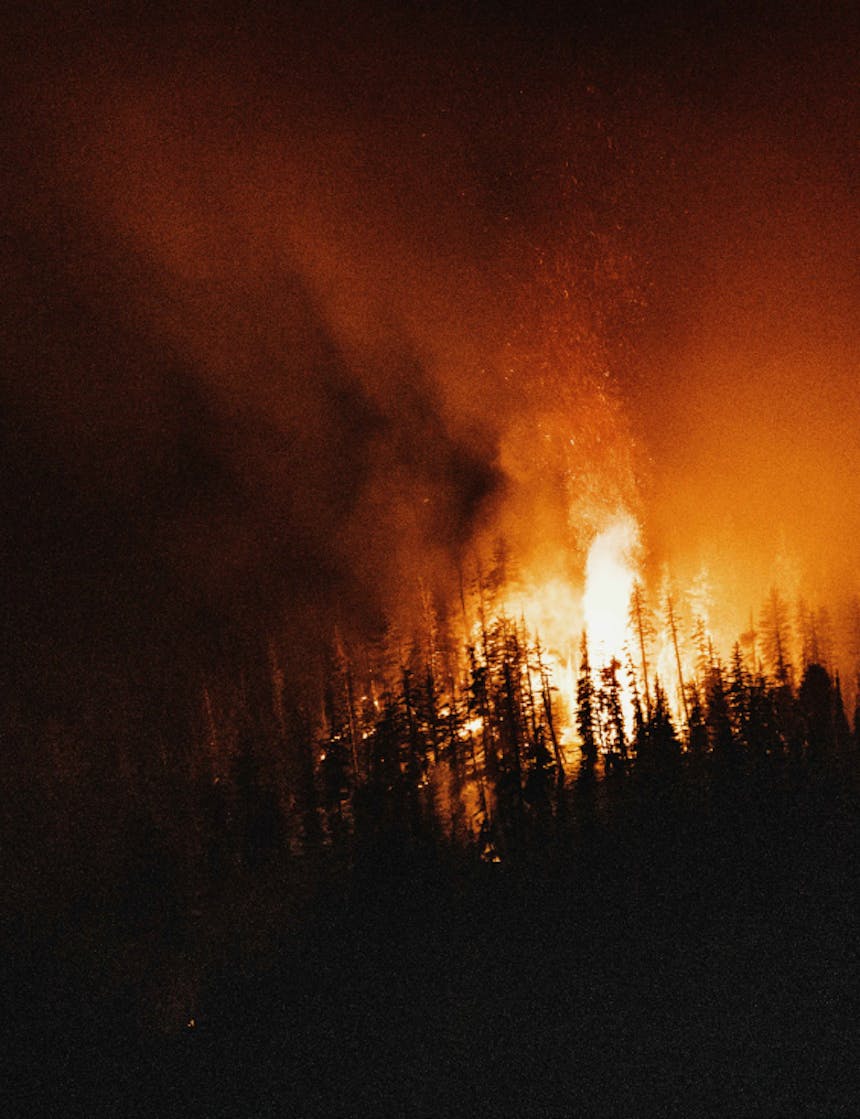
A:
(610, 574)
(555, 612)
(428, 467)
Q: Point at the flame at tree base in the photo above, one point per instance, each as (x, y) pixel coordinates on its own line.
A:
(555, 611)
(610, 575)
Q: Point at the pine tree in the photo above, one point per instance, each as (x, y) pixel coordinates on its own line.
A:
(702, 645)
(672, 626)
(586, 706)
(806, 634)
(816, 705)
(664, 747)
(612, 715)
(697, 730)
(640, 728)
(738, 696)
(643, 628)
(718, 717)
(546, 690)
(775, 629)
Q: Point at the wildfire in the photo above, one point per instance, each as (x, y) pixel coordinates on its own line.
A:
(554, 611)
(610, 573)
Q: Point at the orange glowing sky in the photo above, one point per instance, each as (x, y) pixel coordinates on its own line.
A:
(296, 300)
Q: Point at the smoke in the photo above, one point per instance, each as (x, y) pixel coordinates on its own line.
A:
(304, 310)
(753, 432)
(230, 344)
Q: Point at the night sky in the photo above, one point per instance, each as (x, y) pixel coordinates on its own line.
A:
(300, 307)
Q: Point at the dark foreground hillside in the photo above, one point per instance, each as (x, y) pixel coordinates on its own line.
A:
(683, 947)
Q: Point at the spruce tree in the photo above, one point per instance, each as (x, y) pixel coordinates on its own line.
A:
(612, 714)
(586, 706)
(642, 625)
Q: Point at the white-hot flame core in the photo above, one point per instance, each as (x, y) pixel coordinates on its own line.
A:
(610, 573)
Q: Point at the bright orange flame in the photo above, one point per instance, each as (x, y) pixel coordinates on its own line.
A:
(610, 572)
(553, 615)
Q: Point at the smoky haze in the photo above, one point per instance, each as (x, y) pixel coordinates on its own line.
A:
(300, 313)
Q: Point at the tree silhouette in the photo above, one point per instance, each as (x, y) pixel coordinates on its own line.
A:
(642, 624)
(586, 706)
(664, 749)
(775, 628)
(697, 729)
(718, 717)
(612, 715)
(672, 626)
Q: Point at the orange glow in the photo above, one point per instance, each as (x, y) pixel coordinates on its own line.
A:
(610, 572)
(473, 726)
(552, 612)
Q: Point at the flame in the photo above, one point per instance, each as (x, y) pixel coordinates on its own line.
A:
(552, 613)
(610, 572)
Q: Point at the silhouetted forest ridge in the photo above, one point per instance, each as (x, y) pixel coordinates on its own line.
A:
(418, 799)
(432, 740)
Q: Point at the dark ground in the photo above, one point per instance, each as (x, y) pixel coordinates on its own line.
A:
(671, 950)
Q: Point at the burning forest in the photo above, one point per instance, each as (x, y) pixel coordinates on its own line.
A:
(430, 662)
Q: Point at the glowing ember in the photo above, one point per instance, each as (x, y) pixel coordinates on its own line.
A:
(473, 726)
(610, 572)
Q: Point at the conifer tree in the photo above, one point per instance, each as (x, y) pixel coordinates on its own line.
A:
(702, 645)
(775, 629)
(546, 699)
(842, 733)
(663, 743)
(672, 626)
(611, 712)
(643, 629)
(697, 730)
(806, 634)
(586, 706)
(718, 716)
(640, 728)
(817, 708)
(738, 696)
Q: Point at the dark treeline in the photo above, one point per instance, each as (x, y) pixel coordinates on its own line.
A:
(466, 740)
(163, 876)
(406, 741)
